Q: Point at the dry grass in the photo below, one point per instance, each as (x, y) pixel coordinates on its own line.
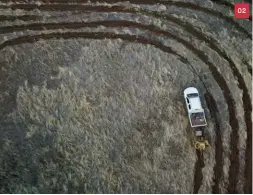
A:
(108, 116)
(114, 129)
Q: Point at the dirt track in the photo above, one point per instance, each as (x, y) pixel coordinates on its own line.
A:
(238, 69)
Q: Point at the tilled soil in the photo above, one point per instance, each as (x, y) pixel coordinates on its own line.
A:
(226, 86)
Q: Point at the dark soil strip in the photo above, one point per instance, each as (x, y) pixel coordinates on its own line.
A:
(181, 4)
(98, 35)
(65, 7)
(219, 2)
(213, 44)
(129, 24)
(226, 3)
(23, 18)
(174, 3)
(234, 158)
(121, 23)
(234, 137)
(198, 176)
(248, 162)
(249, 67)
(218, 77)
(218, 168)
(234, 166)
(90, 35)
(60, 7)
(186, 25)
(246, 98)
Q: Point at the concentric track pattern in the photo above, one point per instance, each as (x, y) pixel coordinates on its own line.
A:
(213, 44)
(122, 9)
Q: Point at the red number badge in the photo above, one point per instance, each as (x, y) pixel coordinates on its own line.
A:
(241, 10)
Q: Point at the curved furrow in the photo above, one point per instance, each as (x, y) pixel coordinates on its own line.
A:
(213, 45)
(113, 23)
(219, 2)
(217, 76)
(234, 158)
(88, 35)
(22, 17)
(181, 4)
(130, 38)
(99, 35)
(187, 5)
(198, 176)
(247, 117)
(225, 3)
(118, 8)
(52, 26)
(249, 67)
(248, 163)
(218, 172)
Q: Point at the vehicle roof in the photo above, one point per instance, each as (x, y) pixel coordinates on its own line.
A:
(190, 90)
(195, 103)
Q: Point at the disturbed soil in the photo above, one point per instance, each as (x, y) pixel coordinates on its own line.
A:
(91, 96)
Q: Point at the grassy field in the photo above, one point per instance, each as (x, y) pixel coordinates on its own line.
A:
(92, 102)
(100, 129)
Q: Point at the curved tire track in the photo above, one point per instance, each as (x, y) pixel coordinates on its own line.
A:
(31, 39)
(219, 2)
(187, 5)
(219, 79)
(116, 8)
(218, 168)
(51, 26)
(212, 43)
(198, 176)
(234, 158)
(247, 117)
(22, 17)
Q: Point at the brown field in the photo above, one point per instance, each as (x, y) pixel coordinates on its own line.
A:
(91, 96)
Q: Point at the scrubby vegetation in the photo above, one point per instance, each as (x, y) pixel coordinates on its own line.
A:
(79, 115)
(63, 140)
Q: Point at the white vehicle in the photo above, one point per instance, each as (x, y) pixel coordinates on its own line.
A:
(195, 111)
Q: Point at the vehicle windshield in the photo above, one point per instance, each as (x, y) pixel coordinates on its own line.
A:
(192, 95)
